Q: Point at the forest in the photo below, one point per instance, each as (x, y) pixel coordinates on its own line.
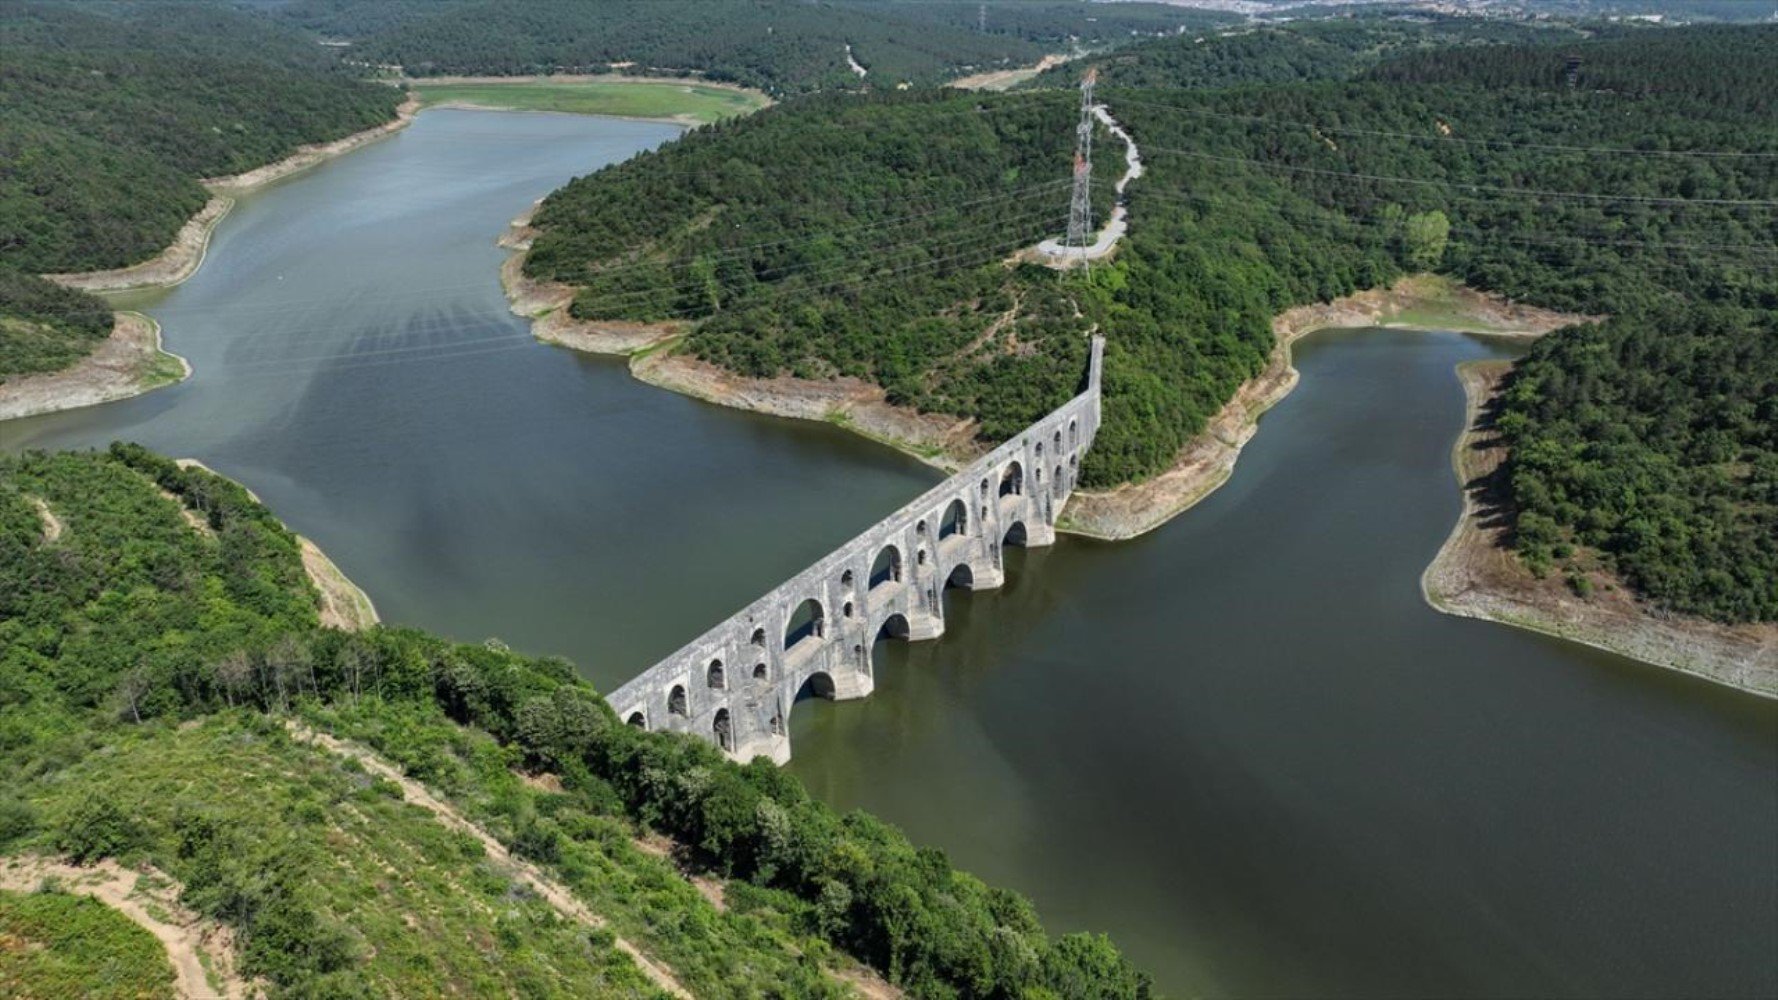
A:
(809, 242)
(110, 115)
(157, 631)
(1652, 440)
(1301, 51)
(783, 47)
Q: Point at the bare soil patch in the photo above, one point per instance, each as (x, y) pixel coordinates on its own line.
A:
(52, 525)
(152, 903)
(1477, 575)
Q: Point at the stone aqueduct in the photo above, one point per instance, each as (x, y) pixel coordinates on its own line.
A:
(735, 684)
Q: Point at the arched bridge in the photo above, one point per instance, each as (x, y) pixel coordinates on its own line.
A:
(735, 684)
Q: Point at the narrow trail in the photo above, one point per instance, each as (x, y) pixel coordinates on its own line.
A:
(556, 894)
(52, 525)
(1119, 223)
(187, 937)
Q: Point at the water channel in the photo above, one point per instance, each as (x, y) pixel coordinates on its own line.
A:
(1242, 745)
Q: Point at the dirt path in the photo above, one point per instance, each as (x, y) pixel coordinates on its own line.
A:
(127, 363)
(554, 892)
(191, 942)
(52, 525)
(1476, 575)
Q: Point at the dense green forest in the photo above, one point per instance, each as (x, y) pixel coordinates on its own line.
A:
(816, 245)
(1652, 439)
(870, 236)
(147, 663)
(780, 46)
(109, 116)
(1300, 51)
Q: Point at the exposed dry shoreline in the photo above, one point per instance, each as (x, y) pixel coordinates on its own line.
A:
(652, 348)
(1207, 461)
(127, 363)
(344, 605)
(182, 258)
(1475, 575)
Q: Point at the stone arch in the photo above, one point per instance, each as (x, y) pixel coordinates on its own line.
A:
(885, 568)
(962, 575)
(1037, 476)
(1058, 439)
(761, 671)
(893, 626)
(984, 489)
(1015, 534)
(955, 520)
(846, 579)
(677, 703)
(1057, 484)
(1040, 449)
(638, 720)
(714, 676)
(920, 529)
(759, 637)
(920, 557)
(817, 685)
(846, 610)
(807, 623)
(1012, 479)
(1073, 433)
(724, 730)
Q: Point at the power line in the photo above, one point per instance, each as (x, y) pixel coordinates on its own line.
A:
(1450, 139)
(1471, 186)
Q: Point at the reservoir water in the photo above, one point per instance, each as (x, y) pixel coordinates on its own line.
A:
(1242, 745)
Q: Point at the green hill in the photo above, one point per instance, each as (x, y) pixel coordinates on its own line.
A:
(157, 634)
(109, 116)
(871, 237)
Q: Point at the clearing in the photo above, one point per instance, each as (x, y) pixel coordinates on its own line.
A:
(682, 101)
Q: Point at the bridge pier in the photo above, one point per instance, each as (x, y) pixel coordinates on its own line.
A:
(737, 684)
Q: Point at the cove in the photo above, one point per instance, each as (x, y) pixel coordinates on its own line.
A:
(1242, 745)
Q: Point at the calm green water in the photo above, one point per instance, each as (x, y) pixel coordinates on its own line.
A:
(1242, 745)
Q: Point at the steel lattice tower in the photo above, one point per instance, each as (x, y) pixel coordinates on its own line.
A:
(1080, 206)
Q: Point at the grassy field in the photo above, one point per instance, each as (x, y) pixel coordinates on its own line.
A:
(682, 101)
(54, 945)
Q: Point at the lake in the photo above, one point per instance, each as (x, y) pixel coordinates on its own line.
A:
(1242, 745)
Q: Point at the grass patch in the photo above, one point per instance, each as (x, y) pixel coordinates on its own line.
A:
(55, 945)
(631, 99)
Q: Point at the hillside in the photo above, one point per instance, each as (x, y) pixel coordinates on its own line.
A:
(868, 239)
(161, 667)
(780, 46)
(110, 115)
(1301, 51)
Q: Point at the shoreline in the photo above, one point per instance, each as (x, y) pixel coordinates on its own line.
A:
(342, 604)
(1475, 576)
(182, 258)
(130, 362)
(1208, 460)
(943, 442)
(96, 378)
